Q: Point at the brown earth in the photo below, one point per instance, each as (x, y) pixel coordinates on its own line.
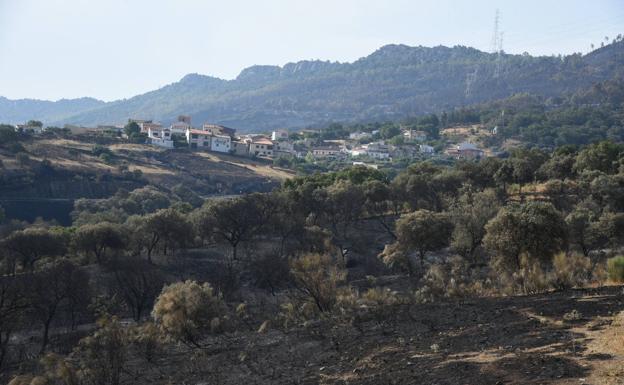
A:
(572, 337)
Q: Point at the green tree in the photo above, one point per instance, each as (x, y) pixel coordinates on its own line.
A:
(580, 229)
(34, 123)
(389, 130)
(603, 156)
(232, 220)
(32, 244)
(97, 239)
(608, 230)
(168, 229)
(422, 231)
(132, 129)
(534, 228)
(470, 213)
(8, 134)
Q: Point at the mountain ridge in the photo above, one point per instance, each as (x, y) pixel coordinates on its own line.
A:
(394, 81)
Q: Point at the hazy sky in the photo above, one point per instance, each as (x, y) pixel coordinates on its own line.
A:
(110, 49)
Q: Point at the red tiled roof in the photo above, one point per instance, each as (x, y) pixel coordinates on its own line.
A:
(200, 132)
(262, 141)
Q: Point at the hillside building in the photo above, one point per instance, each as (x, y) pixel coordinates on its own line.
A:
(220, 143)
(239, 148)
(198, 138)
(216, 129)
(160, 137)
(414, 136)
(261, 146)
(279, 135)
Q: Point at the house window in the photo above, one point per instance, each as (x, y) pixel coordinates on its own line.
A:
(194, 136)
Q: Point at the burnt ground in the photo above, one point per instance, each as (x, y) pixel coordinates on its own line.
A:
(506, 340)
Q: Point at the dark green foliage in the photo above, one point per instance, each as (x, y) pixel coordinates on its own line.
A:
(421, 231)
(30, 245)
(132, 129)
(120, 206)
(615, 268)
(356, 174)
(534, 229)
(603, 156)
(8, 134)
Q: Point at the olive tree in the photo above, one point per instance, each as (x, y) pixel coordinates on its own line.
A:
(535, 229)
(470, 213)
(422, 231)
(96, 239)
(167, 229)
(31, 244)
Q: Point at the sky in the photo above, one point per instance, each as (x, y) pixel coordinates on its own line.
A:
(113, 49)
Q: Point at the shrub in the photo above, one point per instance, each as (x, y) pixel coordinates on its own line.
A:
(615, 268)
(531, 277)
(600, 274)
(570, 270)
(376, 304)
(147, 340)
(452, 279)
(102, 356)
(380, 303)
(316, 278)
(188, 311)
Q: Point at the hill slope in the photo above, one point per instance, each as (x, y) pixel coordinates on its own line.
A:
(22, 110)
(394, 82)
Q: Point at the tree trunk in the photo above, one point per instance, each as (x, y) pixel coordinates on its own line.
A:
(46, 333)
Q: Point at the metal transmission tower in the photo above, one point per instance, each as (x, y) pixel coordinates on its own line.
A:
(495, 35)
(471, 79)
(497, 45)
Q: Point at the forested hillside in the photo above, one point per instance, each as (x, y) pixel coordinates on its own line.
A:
(23, 110)
(392, 83)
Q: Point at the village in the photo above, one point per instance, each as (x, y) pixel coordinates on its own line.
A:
(356, 148)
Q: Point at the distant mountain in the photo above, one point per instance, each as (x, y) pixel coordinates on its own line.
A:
(22, 110)
(393, 82)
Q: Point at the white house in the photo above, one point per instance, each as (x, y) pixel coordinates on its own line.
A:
(359, 135)
(279, 135)
(326, 152)
(146, 126)
(378, 151)
(160, 137)
(179, 128)
(220, 143)
(198, 138)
